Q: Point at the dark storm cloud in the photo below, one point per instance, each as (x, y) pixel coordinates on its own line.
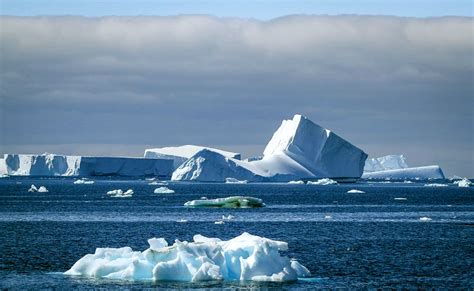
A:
(388, 84)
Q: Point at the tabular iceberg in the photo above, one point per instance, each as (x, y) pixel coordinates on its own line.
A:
(244, 258)
(299, 149)
(62, 165)
(180, 154)
(395, 167)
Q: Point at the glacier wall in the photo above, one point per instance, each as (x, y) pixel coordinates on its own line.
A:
(62, 165)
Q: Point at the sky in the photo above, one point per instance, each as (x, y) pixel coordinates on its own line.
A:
(397, 79)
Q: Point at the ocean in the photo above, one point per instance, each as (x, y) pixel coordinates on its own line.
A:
(374, 239)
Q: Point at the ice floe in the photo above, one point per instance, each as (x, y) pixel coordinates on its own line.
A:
(424, 218)
(244, 258)
(436, 185)
(296, 182)
(463, 183)
(355, 191)
(325, 181)
(228, 202)
(84, 181)
(235, 181)
(163, 190)
(119, 193)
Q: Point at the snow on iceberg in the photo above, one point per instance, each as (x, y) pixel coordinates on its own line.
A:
(180, 154)
(244, 258)
(299, 149)
(463, 183)
(324, 181)
(427, 172)
(163, 190)
(61, 165)
(228, 202)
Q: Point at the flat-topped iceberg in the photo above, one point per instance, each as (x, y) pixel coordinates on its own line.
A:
(396, 167)
(244, 258)
(180, 154)
(228, 202)
(62, 165)
(299, 149)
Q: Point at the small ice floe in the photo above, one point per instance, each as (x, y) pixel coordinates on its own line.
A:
(118, 193)
(463, 183)
(203, 198)
(325, 181)
(400, 198)
(327, 217)
(436, 185)
(33, 189)
(407, 182)
(355, 191)
(181, 220)
(42, 189)
(244, 258)
(219, 222)
(235, 181)
(228, 217)
(157, 183)
(84, 181)
(424, 218)
(228, 202)
(299, 182)
(163, 190)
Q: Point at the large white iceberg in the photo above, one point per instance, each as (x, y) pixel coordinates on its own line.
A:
(299, 149)
(62, 165)
(244, 258)
(180, 154)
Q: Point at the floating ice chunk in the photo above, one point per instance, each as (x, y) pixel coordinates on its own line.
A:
(325, 181)
(228, 202)
(182, 220)
(156, 183)
(33, 189)
(407, 182)
(296, 182)
(120, 194)
(355, 191)
(327, 217)
(244, 258)
(163, 190)
(219, 222)
(128, 192)
(436, 185)
(42, 189)
(400, 198)
(228, 217)
(235, 181)
(115, 192)
(424, 218)
(463, 183)
(84, 181)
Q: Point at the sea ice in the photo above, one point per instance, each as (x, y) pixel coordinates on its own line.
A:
(84, 181)
(244, 258)
(355, 191)
(42, 189)
(219, 222)
(424, 218)
(324, 181)
(33, 189)
(400, 198)
(436, 185)
(118, 193)
(157, 183)
(235, 181)
(228, 202)
(163, 190)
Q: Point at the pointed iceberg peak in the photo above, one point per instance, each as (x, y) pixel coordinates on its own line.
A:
(321, 151)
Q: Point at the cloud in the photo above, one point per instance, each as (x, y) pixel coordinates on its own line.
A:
(381, 82)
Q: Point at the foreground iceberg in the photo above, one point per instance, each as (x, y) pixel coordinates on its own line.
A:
(61, 165)
(299, 149)
(395, 167)
(180, 154)
(228, 202)
(244, 258)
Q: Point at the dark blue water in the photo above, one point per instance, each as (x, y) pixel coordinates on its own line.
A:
(370, 241)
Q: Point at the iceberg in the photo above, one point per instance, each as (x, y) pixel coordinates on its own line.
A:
(299, 149)
(355, 191)
(228, 202)
(244, 258)
(33, 189)
(463, 183)
(296, 182)
(61, 165)
(180, 154)
(163, 190)
(396, 167)
(42, 189)
(118, 193)
(427, 172)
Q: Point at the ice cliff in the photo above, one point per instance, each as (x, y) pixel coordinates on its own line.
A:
(62, 165)
(299, 149)
(395, 167)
